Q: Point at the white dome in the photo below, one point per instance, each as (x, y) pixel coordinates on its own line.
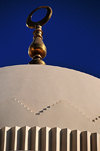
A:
(41, 95)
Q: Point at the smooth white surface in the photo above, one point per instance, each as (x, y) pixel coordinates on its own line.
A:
(27, 90)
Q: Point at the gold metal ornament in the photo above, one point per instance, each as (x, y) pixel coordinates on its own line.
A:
(37, 49)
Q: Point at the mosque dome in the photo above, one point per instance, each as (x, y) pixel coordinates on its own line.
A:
(48, 108)
(49, 96)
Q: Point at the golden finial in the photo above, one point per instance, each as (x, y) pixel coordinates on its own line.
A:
(37, 49)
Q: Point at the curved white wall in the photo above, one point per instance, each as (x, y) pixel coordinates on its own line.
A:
(37, 95)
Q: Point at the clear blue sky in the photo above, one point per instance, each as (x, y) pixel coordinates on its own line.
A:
(72, 36)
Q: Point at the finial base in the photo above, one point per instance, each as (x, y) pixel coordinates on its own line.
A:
(37, 60)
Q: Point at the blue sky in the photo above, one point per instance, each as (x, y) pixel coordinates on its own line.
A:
(72, 36)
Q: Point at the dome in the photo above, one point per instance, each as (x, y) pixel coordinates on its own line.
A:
(39, 95)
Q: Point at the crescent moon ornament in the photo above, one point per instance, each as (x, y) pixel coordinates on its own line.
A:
(31, 24)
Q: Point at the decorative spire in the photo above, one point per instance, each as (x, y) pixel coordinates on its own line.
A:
(37, 49)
